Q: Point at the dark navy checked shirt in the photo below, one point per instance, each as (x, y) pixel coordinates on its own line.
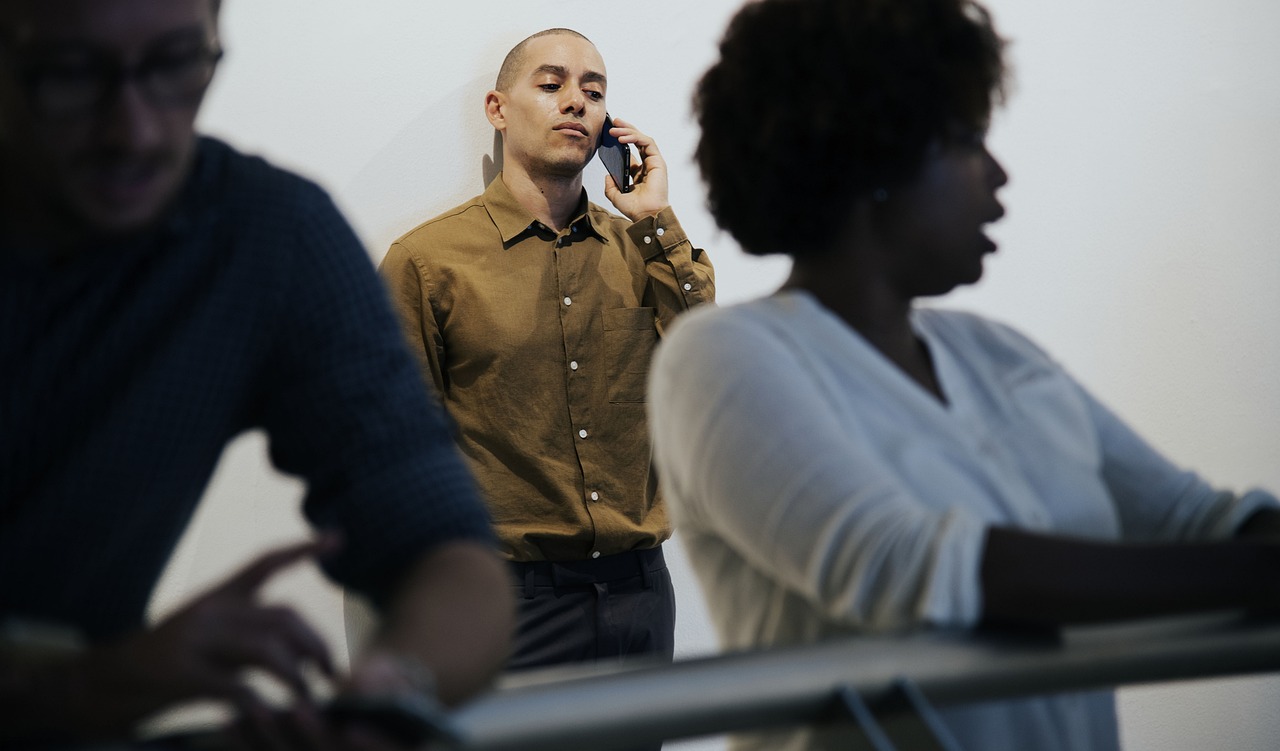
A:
(124, 373)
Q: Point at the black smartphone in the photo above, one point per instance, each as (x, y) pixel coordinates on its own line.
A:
(616, 157)
(406, 719)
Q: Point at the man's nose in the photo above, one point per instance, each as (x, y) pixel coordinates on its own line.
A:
(574, 100)
(129, 120)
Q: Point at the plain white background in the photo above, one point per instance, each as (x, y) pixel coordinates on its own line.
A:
(1138, 245)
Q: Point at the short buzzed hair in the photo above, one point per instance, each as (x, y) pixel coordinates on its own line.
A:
(512, 63)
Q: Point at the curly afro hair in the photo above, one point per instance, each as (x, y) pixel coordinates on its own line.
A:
(815, 103)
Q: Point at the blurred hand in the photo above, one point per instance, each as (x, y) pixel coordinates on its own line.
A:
(202, 650)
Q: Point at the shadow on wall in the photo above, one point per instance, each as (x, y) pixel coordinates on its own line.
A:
(426, 168)
(491, 165)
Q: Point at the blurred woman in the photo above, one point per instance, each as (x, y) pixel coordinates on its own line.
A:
(842, 461)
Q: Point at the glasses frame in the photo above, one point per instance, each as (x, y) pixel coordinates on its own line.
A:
(108, 79)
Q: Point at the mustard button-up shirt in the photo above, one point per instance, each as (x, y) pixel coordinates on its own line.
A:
(539, 343)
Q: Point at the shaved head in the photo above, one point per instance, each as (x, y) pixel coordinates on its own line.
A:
(514, 60)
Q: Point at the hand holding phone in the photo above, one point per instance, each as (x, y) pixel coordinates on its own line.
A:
(616, 157)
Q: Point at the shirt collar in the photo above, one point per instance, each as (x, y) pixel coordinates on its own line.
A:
(514, 220)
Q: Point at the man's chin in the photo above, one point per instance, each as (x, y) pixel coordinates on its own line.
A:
(109, 216)
(123, 194)
(100, 222)
(568, 167)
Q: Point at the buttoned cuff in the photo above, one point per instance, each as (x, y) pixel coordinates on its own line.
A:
(657, 234)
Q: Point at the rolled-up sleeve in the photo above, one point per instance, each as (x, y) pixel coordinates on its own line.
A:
(680, 275)
(346, 409)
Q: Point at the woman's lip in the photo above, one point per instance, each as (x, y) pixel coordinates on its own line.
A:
(989, 244)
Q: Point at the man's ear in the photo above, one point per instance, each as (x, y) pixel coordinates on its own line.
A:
(494, 104)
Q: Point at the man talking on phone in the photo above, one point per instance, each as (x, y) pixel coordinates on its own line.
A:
(534, 313)
(159, 294)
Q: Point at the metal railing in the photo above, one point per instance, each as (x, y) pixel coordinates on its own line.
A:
(631, 704)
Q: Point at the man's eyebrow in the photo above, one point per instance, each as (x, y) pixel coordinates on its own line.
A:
(590, 76)
(196, 33)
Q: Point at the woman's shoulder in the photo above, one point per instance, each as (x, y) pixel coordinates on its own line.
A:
(967, 331)
(743, 334)
(753, 317)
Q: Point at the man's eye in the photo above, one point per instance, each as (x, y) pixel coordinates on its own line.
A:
(171, 63)
(596, 95)
(550, 87)
(63, 73)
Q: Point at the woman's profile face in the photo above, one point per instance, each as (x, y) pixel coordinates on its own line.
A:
(934, 226)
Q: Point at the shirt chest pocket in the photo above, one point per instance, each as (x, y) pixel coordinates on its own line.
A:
(629, 338)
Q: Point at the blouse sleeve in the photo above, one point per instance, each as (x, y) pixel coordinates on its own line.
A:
(1158, 501)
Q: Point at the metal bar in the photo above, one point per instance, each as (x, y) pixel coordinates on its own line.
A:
(928, 715)
(866, 721)
(627, 705)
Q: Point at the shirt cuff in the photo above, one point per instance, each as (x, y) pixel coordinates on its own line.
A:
(657, 234)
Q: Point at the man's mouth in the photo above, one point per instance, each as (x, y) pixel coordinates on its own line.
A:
(572, 127)
(122, 183)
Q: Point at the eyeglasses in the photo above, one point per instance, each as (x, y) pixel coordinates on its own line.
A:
(82, 84)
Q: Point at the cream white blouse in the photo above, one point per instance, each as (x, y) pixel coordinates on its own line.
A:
(820, 491)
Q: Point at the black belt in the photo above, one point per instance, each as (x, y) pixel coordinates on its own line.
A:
(626, 565)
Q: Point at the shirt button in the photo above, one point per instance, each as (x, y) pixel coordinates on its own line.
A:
(595, 554)
(661, 232)
(647, 239)
(573, 365)
(582, 434)
(568, 301)
(575, 228)
(595, 496)
(687, 286)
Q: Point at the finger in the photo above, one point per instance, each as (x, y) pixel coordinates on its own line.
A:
(628, 133)
(644, 144)
(303, 640)
(274, 639)
(272, 657)
(229, 686)
(252, 576)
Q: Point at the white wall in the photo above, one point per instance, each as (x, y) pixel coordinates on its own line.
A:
(1137, 247)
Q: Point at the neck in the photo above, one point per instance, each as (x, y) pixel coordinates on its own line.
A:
(552, 199)
(852, 286)
(852, 278)
(860, 299)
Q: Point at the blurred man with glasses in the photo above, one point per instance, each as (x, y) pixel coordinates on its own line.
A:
(160, 293)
